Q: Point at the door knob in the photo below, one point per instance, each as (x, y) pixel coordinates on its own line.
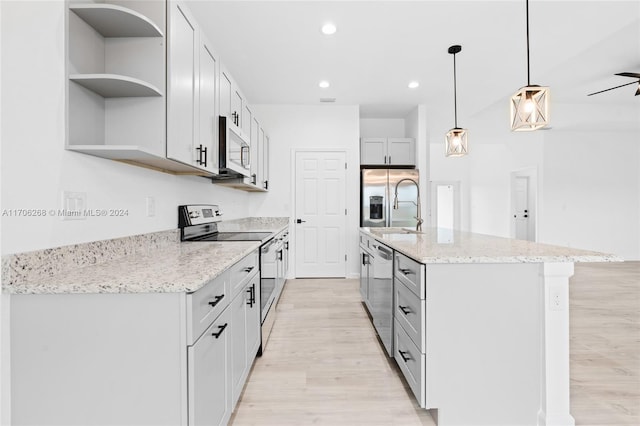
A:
(300, 221)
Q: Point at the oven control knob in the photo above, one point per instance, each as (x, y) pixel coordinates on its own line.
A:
(194, 214)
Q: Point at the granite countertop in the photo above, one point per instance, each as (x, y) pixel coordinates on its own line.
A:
(148, 263)
(434, 245)
(183, 267)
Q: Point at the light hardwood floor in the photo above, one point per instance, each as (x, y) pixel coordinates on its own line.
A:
(325, 366)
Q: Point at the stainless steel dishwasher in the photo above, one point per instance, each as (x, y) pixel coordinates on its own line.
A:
(381, 294)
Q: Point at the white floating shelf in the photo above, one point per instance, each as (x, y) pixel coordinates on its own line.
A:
(115, 86)
(112, 20)
(136, 155)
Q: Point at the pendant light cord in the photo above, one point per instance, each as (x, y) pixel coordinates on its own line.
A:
(528, 67)
(455, 94)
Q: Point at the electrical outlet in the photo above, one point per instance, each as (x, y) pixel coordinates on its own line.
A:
(151, 206)
(74, 205)
(556, 299)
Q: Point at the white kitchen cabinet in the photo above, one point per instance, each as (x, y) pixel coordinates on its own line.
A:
(232, 101)
(116, 71)
(265, 160)
(192, 123)
(387, 151)
(160, 358)
(245, 310)
(209, 362)
(410, 323)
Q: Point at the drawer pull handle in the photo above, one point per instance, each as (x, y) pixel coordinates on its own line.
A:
(405, 358)
(220, 330)
(216, 300)
(405, 310)
(248, 269)
(406, 271)
(252, 295)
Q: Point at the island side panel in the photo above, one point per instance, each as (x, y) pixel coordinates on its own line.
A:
(484, 343)
(89, 359)
(555, 386)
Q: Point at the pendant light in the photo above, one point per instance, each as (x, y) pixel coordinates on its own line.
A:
(530, 104)
(456, 138)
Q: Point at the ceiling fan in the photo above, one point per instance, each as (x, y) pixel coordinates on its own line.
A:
(624, 74)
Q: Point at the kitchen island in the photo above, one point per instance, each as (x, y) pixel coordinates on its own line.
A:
(482, 338)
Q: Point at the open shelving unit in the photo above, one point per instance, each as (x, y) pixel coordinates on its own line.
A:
(116, 83)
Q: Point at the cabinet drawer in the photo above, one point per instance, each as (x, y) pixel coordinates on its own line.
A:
(242, 271)
(204, 305)
(411, 361)
(411, 273)
(410, 312)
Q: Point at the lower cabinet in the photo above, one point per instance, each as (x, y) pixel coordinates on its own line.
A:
(209, 362)
(410, 345)
(245, 334)
(135, 358)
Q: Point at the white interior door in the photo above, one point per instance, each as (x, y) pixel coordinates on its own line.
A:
(524, 201)
(521, 207)
(320, 214)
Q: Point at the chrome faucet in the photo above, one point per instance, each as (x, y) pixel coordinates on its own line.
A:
(395, 202)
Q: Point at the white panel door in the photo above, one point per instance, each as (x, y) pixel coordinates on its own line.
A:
(320, 209)
(521, 214)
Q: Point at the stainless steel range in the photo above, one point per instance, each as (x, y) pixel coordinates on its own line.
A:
(200, 223)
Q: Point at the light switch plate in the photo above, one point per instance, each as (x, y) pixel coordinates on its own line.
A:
(74, 205)
(151, 206)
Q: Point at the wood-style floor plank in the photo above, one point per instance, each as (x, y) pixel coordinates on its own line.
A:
(325, 366)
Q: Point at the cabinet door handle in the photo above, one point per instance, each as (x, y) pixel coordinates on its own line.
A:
(251, 300)
(405, 358)
(265, 184)
(385, 159)
(389, 159)
(279, 255)
(286, 245)
(254, 179)
(405, 310)
(216, 300)
(248, 269)
(204, 151)
(406, 271)
(220, 330)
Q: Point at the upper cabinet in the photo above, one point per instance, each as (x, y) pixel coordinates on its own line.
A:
(116, 70)
(387, 151)
(192, 118)
(146, 87)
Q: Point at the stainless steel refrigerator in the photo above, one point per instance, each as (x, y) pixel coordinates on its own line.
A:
(377, 190)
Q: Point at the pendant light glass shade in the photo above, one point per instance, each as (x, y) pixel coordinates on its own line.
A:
(530, 104)
(530, 108)
(456, 142)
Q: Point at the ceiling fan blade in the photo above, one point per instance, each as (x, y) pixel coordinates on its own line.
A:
(629, 74)
(617, 87)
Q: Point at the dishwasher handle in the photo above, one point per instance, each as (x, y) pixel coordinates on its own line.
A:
(384, 253)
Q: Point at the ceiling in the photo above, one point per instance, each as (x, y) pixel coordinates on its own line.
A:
(277, 54)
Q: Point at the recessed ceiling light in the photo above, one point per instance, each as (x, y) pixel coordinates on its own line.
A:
(413, 85)
(329, 28)
(324, 84)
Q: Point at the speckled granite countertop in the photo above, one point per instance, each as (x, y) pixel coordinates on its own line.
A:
(446, 246)
(148, 263)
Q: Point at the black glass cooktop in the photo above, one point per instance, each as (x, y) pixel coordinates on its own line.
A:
(234, 236)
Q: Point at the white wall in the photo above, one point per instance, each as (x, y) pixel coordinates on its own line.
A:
(36, 168)
(591, 192)
(327, 127)
(416, 128)
(382, 128)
